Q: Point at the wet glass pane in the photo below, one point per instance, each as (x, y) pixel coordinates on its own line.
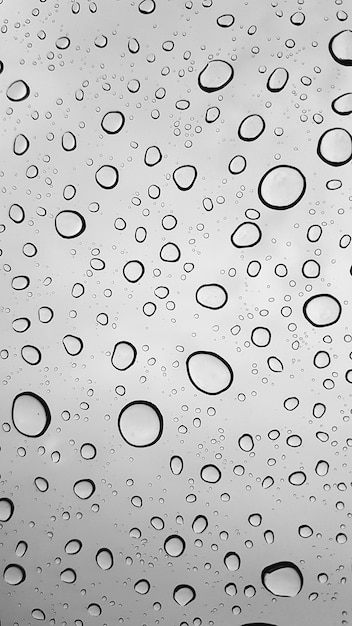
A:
(175, 313)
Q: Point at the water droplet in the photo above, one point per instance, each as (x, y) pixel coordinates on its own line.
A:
(282, 579)
(107, 176)
(73, 546)
(211, 296)
(176, 465)
(142, 586)
(170, 252)
(146, 7)
(18, 91)
(322, 310)
(340, 47)
(251, 127)
(113, 122)
(237, 164)
(124, 355)
(335, 147)
(297, 478)
(152, 156)
(6, 509)
(210, 474)
(69, 224)
(209, 372)
(226, 20)
(215, 75)
(342, 105)
(174, 545)
(140, 423)
(199, 524)
(104, 558)
(277, 80)
(88, 451)
(14, 574)
(20, 145)
(73, 345)
(185, 177)
(31, 355)
(246, 442)
(282, 187)
(322, 468)
(246, 235)
(94, 610)
(30, 414)
(184, 594)
(21, 548)
(84, 488)
(261, 336)
(41, 484)
(68, 576)
(232, 561)
(133, 271)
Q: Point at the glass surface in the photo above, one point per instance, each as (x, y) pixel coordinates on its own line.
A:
(175, 313)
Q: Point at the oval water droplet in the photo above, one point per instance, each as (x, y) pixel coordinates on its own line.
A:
(142, 586)
(246, 235)
(211, 296)
(340, 47)
(107, 176)
(68, 576)
(21, 548)
(133, 271)
(210, 474)
(20, 145)
(30, 414)
(174, 545)
(72, 344)
(113, 122)
(73, 546)
(31, 355)
(185, 177)
(184, 594)
(18, 91)
(68, 141)
(335, 147)
(14, 574)
(69, 224)
(282, 187)
(88, 451)
(170, 252)
(322, 310)
(124, 355)
(232, 561)
(277, 80)
(84, 488)
(251, 127)
(176, 465)
(41, 484)
(152, 156)
(322, 468)
(342, 105)
(246, 442)
(104, 558)
(237, 164)
(199, 524)
(6, 509)
(215, 75)
(261, 336)
(297, 478)
(209, 372)
(140, 423)
(282, 579)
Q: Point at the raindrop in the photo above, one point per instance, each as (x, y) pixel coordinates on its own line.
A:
(226, 20)
(113, 122)
(72, 344)
(297, 478)
(146, 7)
(209, 372)
(246, 442)
(84, 488)
(31, 355)
(232, 561)
(184, 594)
(88, 451)
(282, 579)
(124, 355)
(18, 91)
(185, 177)
(68, 576)
(215, 75)
(45, 314)
(41, 484)
(14, 574)
(30, 414)
(210, 474)
(261, 336)
(73, 546)
(104, 558)
(69, 224)
(152, 156)
(237, 164)
(16, 213)
(211, 296)
(68, 141)
(322, 310)
(20, 145)
(340, 47)
(199, 524)
(282, 187)
(277, 80)
(142, 586)
(133, 271)
(174, 545)
(274, 364)
(6, 509)
(251, 127)
(335, 147)
(212, 114)
(170, 252)
(246, 235)
(107, 176)
(322, 468)
(140, 423)
(21, 548)
(176, 465)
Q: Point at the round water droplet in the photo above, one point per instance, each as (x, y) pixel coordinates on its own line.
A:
(210, 474)
(14, 574)
(73, 345)
(104, 558)
(251, 127)
(322, 310)
(340, 47)
(209, 372)
(6, 509)
(19, 283)
(321, 359)
(261, 336)
(174, 545)
(18, 91)
(20, 145)
(282, 187)
(30, 414)
(305, 531)
(297, 478)
(185, 177)
(343, 104)
(211, 296)
(335, 147)
(88, 451)
(322, 468)
(184, 594)
(133, 271)
(176, 465)
(146, 7)
(140, 423)
(73, 546)
(232, 561)
(62, 43)
(31, 355)
(142, 586)
(152, 156)
(246, 235)
(107, 176)
(124, 355)
(215, 75)
(283, 579)
(277, 80)
(69, 224)
(84, 488)
(41, 484)
(21, 324)
(68, 576)
(199, 524)
(16, 213)
(113, 122)
(246, 442)
(45, 314)
(170, 252)
(212, 114)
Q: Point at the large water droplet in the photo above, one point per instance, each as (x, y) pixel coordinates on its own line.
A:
(184, 594)
(124, 355)
(232, 561)
(174, 545)
(84, 488)
(185, 177)
(251, 127)
(283, 579)
(210, 474)
(104, 558)
(14, 574)
(69, 224)
(322, 310)
(140, 423)
(282, 187)
(335, 147)
(30, 414)
(113, 122)
(133, 271)
(72, 344)
(209, 372)
(340, 47)
(18, 91)
(246, 235)
(211, 296)
(277, 80)
(107, 176)
(215, 75)
(199, 524)
(6, 509)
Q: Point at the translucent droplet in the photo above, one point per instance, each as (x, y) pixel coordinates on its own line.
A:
(20, 145)
(124, 355)
(142, 586)
(69, 224)
(199, 524)
(340, 47)
(209, 372)
(211, 296)
(6, 509)
(31, 355)
(277, 80)
(174, 545)
(140, 423)
(210, 474)
(73, 345)
(232, 561)
(246, 235)
(185, 177)
(14, 574)
(282, 187)
(184, 594)
(113, 122)
(335, 146)
(107, 176)
(18, 91)
(68, 141)
(282, 579)
(68, 576)
(84, 488)
(133, 271)
(322, 310)
(88, 451)
(215, 75)
(251, 127)
(176, 465)
(73, 546)
(246, 442)
(104, 558)
(30, 414)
